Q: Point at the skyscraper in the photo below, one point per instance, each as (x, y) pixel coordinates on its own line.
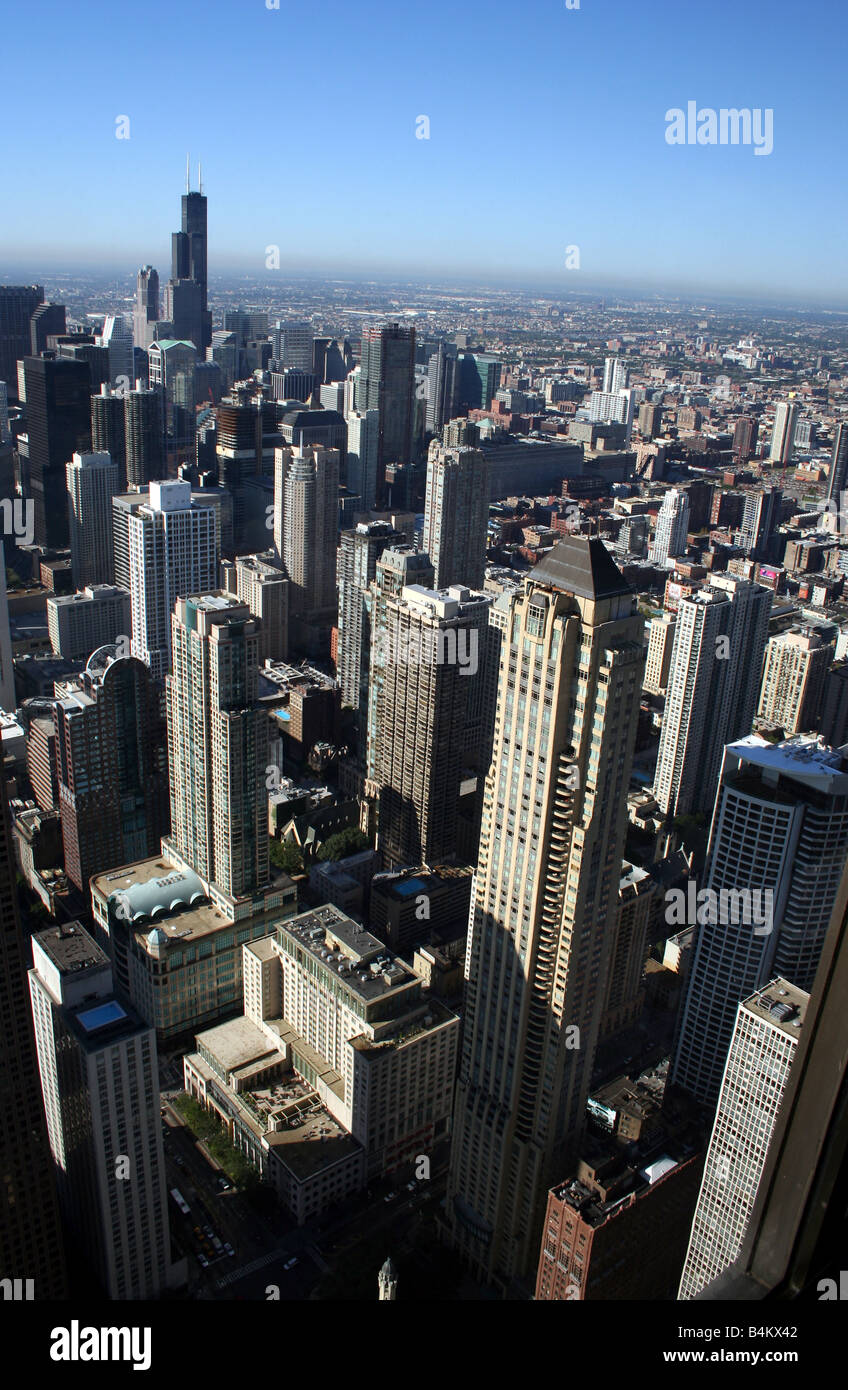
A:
(837, 480)
(186, 304)
(144, 429)
(8, 700)
(780, 830)
(672, 527)
(713, 685)
(359, 552)
(59, 424)
(47, 321)
(745, 433)
(428, 712)
(616, 375)
(398, 566)
(783, 434)
(111, 764)
(308, 508)
(292, 344)
(479, 379)
(762, 1049)
(616, 407)
(173, 552)
(117, 336)
(759, 522)
(264, 587)
(92, 480)
(79, 623)
(363, 448)
(650, 420)
(546, 900)
(30, 1235)
(442, 388)
(146, 311)
(658, 659)
(456, 515)
(794, 671)
(100, 1079)
(18, 303)
(218, 745)
(172, 369)
(108, 430)
(385, 384)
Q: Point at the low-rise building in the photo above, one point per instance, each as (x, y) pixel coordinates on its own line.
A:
(326, 1005)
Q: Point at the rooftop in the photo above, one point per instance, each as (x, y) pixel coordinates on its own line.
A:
(780, 1003)
(162, 897)
(583, 566)
(71, 948)
(802, 758)
(342, 947)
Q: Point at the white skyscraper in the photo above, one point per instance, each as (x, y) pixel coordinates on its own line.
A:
(616, 375)
(173, 552)
(672, 527)
(766, 1034)
(100, 1082)
(778, 845)
(117, 336)
(363, 439)
(613, 406)
(93, 480)
(713, 684)
(783, 434)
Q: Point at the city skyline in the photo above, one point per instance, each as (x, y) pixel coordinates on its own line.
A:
(424, 701)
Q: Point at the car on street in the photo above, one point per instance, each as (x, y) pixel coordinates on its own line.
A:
(290, 1264)
(224, 1184)
(229, 1249)
(204, 1263)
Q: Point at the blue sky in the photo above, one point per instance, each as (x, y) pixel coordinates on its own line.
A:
(547, 129)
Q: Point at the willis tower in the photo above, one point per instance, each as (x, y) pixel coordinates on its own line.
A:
(186, 293)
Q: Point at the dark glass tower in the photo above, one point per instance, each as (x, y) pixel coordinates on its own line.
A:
(187, 307)
(30, 1235)
(18, 303)
(386, 385)
(47, 320)
(58, 398)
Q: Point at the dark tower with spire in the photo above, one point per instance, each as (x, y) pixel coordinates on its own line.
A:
(187, 293)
